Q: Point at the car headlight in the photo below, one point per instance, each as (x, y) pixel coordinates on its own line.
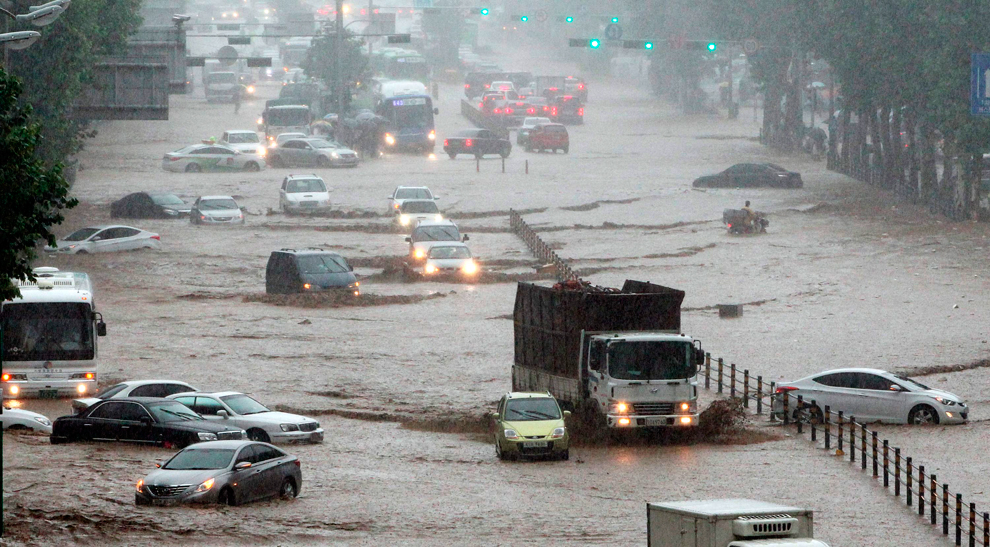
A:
(171, 212)
(250, 89)
(470, 268)
(430, 269)
(262, 151)
(558, 433)
(261, 121)
(438, 218)
(206, 485)
(289, 427)
(389, 139)
(334, 155)
(419, 253)
(140, 485)
(945, 401)
(511, 434)
(43, 421)
(207, 436)
(404, 220)
(618, 408)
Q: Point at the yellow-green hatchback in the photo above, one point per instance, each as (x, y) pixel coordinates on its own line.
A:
(530, 425)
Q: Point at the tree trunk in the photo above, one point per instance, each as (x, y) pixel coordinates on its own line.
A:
(860, 150)
(946, 200)
(913, 155)
(847, 135)
(929, 172)
(793, 120)
(886, 166)
(897, 152)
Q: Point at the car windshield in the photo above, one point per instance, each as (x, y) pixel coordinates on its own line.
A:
(305, 185)
(173, 412)
(324, 144)
(240, 138)
(533, 409)
(445, 251)
(436, 233)
(911, 383)
(166, 199)
(413, 193)
(200, 459)
(242, 404)
(650, 360)
(322, 264)
(216, 204)
(80, 235)
(420, 207)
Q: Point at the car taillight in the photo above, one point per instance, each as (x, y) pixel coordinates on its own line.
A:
(173, 158)
(552, 89)
(446, 142)
(580, 86)
(488, 86)
(298, 463)
(546, 108)
(467, 86)
(508, 110)
(784, 389)
(481, 105)
(531, 110)
(553, 111)
(469, 142)
(156, 236)
(498, 110)
(581, 111)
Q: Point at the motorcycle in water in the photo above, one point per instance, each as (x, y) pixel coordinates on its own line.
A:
(736, 222)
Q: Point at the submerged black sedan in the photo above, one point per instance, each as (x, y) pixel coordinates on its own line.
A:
(147, 420)
(751, 175)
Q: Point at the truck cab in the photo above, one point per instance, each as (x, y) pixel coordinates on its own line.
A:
(644, 379)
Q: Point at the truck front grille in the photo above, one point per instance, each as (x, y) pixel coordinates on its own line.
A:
(652, 409)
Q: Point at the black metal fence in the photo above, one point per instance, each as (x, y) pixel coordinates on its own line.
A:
(832, 430)
(539, 248)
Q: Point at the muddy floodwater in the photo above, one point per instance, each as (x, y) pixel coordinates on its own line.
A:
(401, 385)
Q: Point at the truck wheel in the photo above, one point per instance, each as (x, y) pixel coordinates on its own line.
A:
(452, 154)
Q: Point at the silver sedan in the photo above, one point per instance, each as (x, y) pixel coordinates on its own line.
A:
(224, 472)
(105, 239)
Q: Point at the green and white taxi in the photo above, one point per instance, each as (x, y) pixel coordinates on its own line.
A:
(530, 425)
(210, 157)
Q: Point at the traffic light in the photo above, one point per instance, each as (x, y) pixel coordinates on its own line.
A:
(569, 19)
(484, 11)
(647, 45)
(524, 18)
(594, 43)
(637, 44)
(712, 46)
(615, 19)
(399, 38)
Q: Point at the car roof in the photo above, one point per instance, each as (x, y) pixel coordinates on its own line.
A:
(144, 400)
(528, 395)
(310, 250)
(209, 394)
(230, 131)
(427, 223)
(215, 197)
(411, 187)
(837, 370)
(135, 383)
(221, 444)
(310, 176)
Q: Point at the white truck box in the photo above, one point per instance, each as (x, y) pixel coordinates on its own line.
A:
(729, 523)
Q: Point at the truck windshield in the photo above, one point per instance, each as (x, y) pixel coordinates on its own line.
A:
(528, 410)
(288, 117)
(47, 332)
(650, 361)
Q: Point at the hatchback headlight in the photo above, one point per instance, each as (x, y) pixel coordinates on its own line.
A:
(511, 434)
(470, 268)
(206, 485)
(289, 427)
(207, 436)
(558, 433)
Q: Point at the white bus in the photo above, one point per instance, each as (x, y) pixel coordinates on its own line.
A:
(48, 337)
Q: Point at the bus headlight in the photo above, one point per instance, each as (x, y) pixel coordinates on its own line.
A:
(389, 139)
(14, 390)
(81, 388)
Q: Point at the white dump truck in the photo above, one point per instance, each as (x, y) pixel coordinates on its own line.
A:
(729, 523)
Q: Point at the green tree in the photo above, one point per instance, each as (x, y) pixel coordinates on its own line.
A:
(319, 63)
(56, 69)
(32, 196)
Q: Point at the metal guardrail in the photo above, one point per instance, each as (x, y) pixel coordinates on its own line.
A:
(475, 116)
(841, 433)
(540, 248)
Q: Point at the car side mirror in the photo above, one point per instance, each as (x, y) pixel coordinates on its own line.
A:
(350, 268)
(465, 237)
(896, 388)
(436, 111)
(408, 240)
(567, 414)
(242, 465)
(223, 414)
(97, 239)
(101, 329)
(436, 197)
(158, 465)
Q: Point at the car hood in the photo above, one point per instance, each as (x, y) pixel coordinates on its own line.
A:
(247, 147)
(221, 212)
(448, 262)
(308, 196)
(200, 425)
(327, 280)
(275, 417)
(534, 428)
(342, 151)
(184, 209)
(23, 414)
(168, 477)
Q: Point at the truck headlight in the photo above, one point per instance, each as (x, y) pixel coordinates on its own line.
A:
(687, 407)
(389, 139)
(618, 408)
(558, 433)
(511, 434)
(207, 436)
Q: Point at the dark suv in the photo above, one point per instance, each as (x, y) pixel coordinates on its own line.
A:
(308, 270)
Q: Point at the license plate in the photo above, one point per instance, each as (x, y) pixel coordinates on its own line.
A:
(535, 444)
(48, 394)
(656, 421)
(164, 502)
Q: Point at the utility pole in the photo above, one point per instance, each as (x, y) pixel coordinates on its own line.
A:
(372, 23)
(338, 63)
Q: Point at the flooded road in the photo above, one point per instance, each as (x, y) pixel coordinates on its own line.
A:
(401, 388)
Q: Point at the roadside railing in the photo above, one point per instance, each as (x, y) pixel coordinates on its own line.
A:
(478, 118)
(900, 475)
(539, 248)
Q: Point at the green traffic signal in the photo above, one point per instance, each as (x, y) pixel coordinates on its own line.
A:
(569, 19)
(524, 18)
(484, 11)
(594, 43)
(648, 45)
(615, 19)
(712, 46)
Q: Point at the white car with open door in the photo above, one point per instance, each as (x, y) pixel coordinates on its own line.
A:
(870, 395)
(261, 424)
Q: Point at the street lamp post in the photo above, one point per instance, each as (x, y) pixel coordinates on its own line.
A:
(338, 57)
(39, 16)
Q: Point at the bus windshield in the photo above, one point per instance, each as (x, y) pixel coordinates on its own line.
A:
(47, 331)
(408, 113)
(650, 361)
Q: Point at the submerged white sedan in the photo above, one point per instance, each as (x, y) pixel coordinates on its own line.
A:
(211, 157)
(871, 395)
(105, 239)
(261, 424)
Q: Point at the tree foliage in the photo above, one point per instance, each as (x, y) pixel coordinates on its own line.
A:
(32, 195)
(320, 63)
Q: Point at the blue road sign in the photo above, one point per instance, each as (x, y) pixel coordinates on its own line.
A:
(613, 31)
(980, 85)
